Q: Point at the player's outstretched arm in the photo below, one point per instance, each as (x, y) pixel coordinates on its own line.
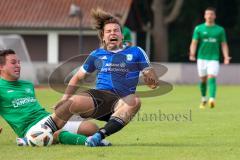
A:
(0, 130)
(72, 85)
(150, 77)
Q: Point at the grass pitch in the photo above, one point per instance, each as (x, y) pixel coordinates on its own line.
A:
(168, 127)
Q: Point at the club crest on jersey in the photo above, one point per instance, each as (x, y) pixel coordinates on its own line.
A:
(129, 57)
(103, 57)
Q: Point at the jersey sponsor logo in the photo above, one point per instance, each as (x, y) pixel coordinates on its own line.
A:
(112, 65)
(122, 64)
(22, 101)
(129, 57)
(115, 67)
(212, 40)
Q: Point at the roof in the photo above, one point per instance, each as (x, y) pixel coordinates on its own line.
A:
(54, 13)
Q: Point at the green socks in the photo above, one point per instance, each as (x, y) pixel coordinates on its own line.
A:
(66, 137)
(203, 88)
(212, 87)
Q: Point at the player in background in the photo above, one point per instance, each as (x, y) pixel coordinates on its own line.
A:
(118, 66)
(208, 38)
(21, 110)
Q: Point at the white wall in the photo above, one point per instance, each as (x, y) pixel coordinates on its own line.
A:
(177, 73)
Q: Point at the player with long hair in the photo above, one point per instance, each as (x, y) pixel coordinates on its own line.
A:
(118, 67)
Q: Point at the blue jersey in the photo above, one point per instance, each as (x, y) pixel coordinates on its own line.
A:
(117, 71)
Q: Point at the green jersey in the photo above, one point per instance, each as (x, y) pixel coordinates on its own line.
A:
(19, 106)
(209, 39)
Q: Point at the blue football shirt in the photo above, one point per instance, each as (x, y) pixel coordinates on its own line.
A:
(117, 71)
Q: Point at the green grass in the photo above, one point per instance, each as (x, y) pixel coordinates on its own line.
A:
(210, 134)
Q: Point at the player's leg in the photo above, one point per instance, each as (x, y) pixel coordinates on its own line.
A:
(81, 104)
(212, 90)
(202, 72)
(203, 89)
(212, 71)
(87, 128)
(124, 111)
(66, 137)
(75, 132)
(79, 125)
(127, 107)
(73, 128)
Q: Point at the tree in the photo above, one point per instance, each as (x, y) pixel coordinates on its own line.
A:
(165, 12)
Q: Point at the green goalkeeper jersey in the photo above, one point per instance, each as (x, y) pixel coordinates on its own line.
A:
(209, 39)
(19, 106)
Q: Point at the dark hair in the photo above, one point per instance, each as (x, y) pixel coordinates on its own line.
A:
(118, 15)
(211, 9)
(4, 53)
(100, 19)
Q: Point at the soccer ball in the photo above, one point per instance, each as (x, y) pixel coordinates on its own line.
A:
(40, 137)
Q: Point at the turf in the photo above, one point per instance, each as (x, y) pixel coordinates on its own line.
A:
(168, 127)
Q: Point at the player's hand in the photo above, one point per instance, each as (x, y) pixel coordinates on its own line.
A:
(192, 57)
(150, 78)
(0, 130)
(227, 60)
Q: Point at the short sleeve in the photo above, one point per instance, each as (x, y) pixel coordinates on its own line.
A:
(143, 59)
(89, 64)
(196, 33)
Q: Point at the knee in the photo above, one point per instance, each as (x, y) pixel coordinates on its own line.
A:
(211, 76)
(134, 103)
(87, 128)
(204, 79)
(137, 103)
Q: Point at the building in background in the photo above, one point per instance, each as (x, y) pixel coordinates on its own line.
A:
(50, 34)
